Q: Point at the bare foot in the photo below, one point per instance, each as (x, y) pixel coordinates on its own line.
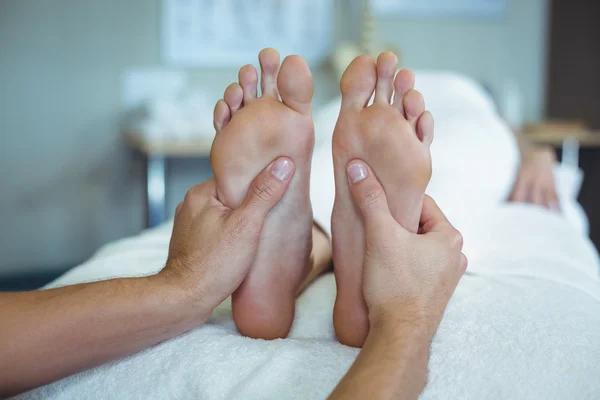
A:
(394, 139)
(252, 131)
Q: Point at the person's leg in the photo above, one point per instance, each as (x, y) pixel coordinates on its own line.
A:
(252, 131)
(320, 257)
(394, 139)
(322, 193)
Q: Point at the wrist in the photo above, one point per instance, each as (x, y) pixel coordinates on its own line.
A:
(404, 316)
(179, 299)
(542, 152)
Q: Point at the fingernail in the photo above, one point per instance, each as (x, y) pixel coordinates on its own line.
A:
(356, 172)
(555, 207)
(282, 169)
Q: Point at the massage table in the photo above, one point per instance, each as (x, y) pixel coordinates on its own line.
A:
(523, 323)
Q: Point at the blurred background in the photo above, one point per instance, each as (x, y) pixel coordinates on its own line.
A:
(83, 164)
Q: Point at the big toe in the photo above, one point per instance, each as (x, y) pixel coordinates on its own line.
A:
(269, 65)
(295, 84)
(358, 82)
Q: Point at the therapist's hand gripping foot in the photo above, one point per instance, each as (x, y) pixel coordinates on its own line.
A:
(408, 281)
(394, 138)
(251, 131)
(49, 334)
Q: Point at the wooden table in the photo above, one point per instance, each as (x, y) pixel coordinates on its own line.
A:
(156, 153)
(586, 139)
(555, 133)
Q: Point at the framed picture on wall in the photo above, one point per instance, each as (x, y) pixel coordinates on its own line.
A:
(221, 33)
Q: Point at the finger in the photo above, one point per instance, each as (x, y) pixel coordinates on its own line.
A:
(200, 194)
(267, 190)
(463, 263)
(537, 195)
(519, 194)
(554, 201)
(551, 199)
(432, 217)
(367, 193)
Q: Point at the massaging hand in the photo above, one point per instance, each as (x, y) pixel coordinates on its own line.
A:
(407, 275)
(211, 250)
(535, 183)
(212, 246)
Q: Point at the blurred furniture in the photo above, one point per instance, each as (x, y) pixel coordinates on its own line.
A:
(157, 153)
(553, 133)
(572, 89)
(574, 61)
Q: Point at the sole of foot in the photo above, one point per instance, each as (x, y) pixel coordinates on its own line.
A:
(393, 136)
(252, 131)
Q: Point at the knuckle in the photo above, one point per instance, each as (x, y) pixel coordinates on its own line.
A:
(188, 198)
(464, 263)
(371, 197)
(456, 239)
(265, 190)
(192, 195)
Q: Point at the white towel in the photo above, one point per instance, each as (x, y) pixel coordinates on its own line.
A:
(523, 323)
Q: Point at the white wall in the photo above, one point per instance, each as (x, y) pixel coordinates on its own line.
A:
(492, 50)
(68, 185)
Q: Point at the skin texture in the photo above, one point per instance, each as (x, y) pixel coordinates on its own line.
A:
(408, 281)
(251, 131)
(86, 325)
(394, 137)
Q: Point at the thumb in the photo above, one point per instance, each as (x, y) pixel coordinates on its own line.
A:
(267, 189)
(433, 219)
(367, 193)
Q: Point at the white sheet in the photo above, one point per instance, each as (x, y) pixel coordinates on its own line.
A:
(523, 323)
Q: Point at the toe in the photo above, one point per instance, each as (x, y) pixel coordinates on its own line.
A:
(425, 128)
(414, 106)
(269, 65)
(295, 84)
(248, 78)
(404, 83)
(386, 68)
(358, 82)
(222, 115)
(234, 95)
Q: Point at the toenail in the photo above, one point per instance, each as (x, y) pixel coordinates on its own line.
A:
(356, 171)
(282, 168)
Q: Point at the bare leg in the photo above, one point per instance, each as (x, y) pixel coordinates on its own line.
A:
(320, 258)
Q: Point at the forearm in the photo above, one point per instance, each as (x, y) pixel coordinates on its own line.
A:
(391, 365)
(524, 144)
(49, 334)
